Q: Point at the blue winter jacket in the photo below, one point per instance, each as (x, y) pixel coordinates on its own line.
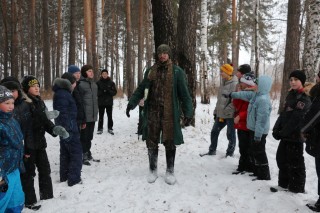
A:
(11, 146)
(259, 109)
(64, 102)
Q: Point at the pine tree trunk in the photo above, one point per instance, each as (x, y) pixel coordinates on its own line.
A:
(140, 40)
(73, 33)
(129, 77)
(88, 29)
(59, 39)
(46, 46)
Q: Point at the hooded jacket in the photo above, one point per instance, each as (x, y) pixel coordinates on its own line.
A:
(259, 108)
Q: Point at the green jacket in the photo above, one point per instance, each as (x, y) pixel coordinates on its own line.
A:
(181, 102)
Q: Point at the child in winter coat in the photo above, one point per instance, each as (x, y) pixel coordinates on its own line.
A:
(224, 111)
(70, 148)
(38, 155)
(247, 82)
(311, 130)
(290, 160)
(258, 123)
(11, 154)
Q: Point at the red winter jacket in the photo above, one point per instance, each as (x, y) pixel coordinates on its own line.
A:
(241, 109)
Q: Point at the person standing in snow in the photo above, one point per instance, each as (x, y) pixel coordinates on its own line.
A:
(88, 90)
(224, 111)
(38, 155)
(11, 154)
(290, 160)
(70, 148)
(106, 90)
(247, 82)
(164, 89)
(258, 123)
(311, 131)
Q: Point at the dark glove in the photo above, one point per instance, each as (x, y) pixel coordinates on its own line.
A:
(62, 132)
(129, 107)
(214, 116)
(227, 95)
(3, 186)
(276, 134)
(187, 121)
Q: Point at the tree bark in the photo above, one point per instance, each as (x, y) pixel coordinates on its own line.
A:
(88, 29)
(73, 33)
(46, 46)
(129, 78)
(140, 40)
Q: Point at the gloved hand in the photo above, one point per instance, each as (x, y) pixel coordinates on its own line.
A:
(227, 95)
(62, 132)
(276, 134)
(3, 185)
(187, 121)
(52, 114)
(214, 116)
(129, 107)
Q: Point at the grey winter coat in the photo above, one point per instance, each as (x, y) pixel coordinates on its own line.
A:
(224, 107)
(89, 93)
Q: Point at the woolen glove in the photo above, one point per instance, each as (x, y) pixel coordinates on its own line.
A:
(129, 107)
(62, 132)
(52, 114)
(187, 121)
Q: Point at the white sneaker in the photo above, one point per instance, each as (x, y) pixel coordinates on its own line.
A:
(152, 177)
(170, 178)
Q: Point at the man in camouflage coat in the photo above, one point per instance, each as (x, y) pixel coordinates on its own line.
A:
(164, 90)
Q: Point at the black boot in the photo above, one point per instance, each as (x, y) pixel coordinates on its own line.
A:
(314, 207)
(153, 161)
(170, 156)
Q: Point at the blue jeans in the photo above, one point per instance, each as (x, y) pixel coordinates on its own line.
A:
(231, 135)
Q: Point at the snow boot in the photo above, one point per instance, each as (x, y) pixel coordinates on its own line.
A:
(100, 131)
(153, 161)
(314, 207)
(170, 156)
(85, 159)
(33, 207)
(111, 131)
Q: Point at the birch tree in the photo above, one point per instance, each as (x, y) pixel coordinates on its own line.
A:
(100, 33)
(311, 54)
(205, 97)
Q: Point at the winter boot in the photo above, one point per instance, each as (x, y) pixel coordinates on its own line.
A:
(263, 172)
(153, 160)
(85, 160)
(170, 156)
(314, 207)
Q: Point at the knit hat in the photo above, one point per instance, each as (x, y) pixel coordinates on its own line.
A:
(227, 68)
(164, 48)
(249, 79)
(29, 81)
(104, 70)
(73, 68)
(69, 76)
(244, 68)
(11, 83)
(299, 74)
(84, 70)
(5, 94)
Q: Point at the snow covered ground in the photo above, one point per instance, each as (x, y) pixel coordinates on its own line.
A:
(118, 183)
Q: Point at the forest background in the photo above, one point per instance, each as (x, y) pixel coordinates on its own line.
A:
(42, 37)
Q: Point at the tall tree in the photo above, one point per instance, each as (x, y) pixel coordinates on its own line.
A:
(100, 33)
(14, 39)
(59, 39)
(129, 77)
(291, 58)
(205, 97)
(186, 45)
(72, 32)
(46, 46)
(234, 34)
(311, 53)
(87, 6)
(164, 31)
(140, 40)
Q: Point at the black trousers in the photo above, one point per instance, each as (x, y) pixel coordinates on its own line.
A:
(38, 159)
(102, 109)
(86, 136)
(246, 158)
(292, 170)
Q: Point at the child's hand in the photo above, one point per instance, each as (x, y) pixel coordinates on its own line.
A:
(62, 132)
(52, 114)
(236, 119)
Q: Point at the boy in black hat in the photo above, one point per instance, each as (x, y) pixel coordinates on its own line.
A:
(38, 156)
(290, 160)
(106, 90)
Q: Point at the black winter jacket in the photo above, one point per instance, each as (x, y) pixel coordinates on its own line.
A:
(311, 123)
(106, 91)
(40, 123)
(81, 117)
(22, 113)
(288, 124)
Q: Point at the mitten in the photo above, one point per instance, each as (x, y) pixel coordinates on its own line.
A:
(129, 107)
(62, 132)
(276, 134)
(187, 121)
(214, 116)
(52, 114)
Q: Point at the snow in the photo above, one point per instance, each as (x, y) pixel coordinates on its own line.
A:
(204, 184)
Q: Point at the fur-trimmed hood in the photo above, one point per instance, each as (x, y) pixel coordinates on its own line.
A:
(60, 83)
